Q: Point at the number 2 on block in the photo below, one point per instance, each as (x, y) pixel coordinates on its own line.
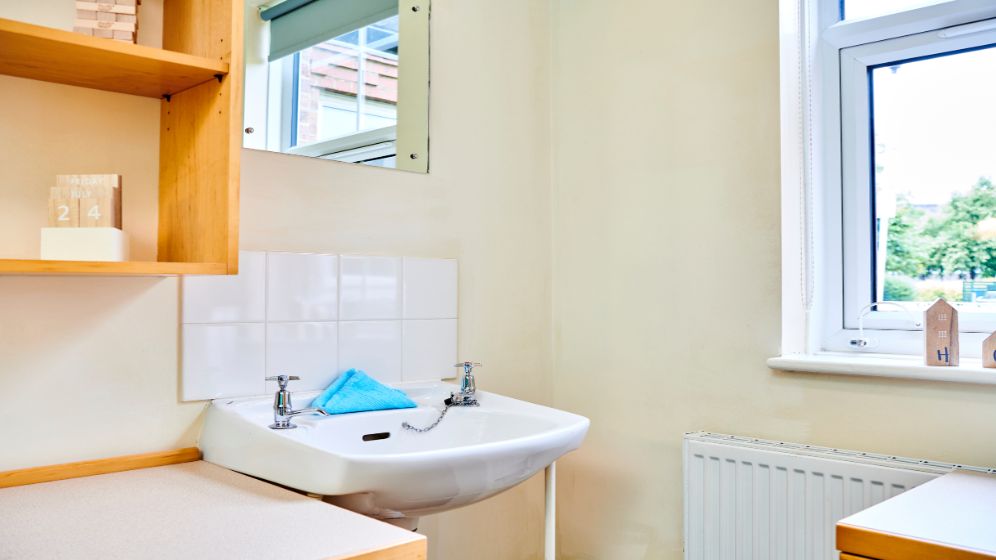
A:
(94, 212)
(63, 213)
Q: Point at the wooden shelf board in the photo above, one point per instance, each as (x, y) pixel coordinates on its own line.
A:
(92, 268)
(54, 55)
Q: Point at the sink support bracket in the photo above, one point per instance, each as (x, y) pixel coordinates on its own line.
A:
(550, 528)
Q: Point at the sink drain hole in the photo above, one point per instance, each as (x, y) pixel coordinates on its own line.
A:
(377, 436)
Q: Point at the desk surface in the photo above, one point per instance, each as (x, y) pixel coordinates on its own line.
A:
(190, 510)
(953, 515)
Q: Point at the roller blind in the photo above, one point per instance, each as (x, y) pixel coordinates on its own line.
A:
(299, 24)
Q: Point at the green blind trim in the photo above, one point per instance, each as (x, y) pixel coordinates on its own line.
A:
(282, 8)
(320, 20)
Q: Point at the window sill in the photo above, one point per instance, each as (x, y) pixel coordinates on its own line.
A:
(882, 365)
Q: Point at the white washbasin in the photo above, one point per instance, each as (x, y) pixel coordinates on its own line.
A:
(474, 453)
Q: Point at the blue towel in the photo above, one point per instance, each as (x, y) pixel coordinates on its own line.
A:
(355, 391)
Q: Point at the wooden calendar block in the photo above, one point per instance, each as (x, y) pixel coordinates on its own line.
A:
(63, 209)
(98, 211)
(989, 351)
(86, 14)
(941, 334)
(99, 198)
(128, 36)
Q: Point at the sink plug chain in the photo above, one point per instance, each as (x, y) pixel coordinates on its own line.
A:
(408, 426)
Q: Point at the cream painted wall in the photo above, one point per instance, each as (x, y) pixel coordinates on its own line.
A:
(89, 366)
(666, 276)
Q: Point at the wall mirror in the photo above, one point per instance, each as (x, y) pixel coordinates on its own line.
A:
(344, 80)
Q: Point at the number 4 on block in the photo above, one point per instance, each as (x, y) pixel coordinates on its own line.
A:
(941, 334)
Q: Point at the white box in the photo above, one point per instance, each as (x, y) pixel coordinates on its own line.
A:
(84, 244)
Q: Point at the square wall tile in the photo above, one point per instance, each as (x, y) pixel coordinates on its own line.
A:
(223, 361)
(228, 299)
(307, 350)
(369, 288)
(301, 287)
(430, 288)
(430, 349)
(372, 346)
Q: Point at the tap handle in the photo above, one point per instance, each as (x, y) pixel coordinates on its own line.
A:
(468, 367)
(282, 380)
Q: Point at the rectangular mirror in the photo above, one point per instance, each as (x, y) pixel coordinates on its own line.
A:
(344, 80)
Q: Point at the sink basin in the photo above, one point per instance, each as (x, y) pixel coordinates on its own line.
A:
(370, 464)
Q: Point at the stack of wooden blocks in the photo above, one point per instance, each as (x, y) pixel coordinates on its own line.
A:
(84, 219)
(111, 19)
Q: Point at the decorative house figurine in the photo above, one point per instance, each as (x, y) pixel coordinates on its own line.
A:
(941, 334)
(989, 351)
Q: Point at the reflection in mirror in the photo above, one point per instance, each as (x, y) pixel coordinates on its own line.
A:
(345, 80)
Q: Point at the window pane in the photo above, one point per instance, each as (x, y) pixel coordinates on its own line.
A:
(935, 159)
(348, 84)
(860, 9)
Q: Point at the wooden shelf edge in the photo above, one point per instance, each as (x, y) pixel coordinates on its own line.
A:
(35, 475)
(95, 268)
(59, 56)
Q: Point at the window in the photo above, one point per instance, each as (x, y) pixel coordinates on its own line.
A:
(899, 179)
(343, 86)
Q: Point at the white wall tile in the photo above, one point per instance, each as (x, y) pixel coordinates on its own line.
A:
(369, 288)
(223, 360)
(430, 349)
(430, 288)
(308, 350)
(228, 299)
(301, 287)
(372, 346)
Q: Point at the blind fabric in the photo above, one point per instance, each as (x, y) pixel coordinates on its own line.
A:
(298, 24)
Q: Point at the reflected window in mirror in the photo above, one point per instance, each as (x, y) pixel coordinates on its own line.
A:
(344, 80)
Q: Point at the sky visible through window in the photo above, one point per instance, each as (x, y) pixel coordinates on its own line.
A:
(935, 149)
(860, 9)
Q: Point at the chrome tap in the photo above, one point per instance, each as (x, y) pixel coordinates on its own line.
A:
(283, 411)
(468, 386)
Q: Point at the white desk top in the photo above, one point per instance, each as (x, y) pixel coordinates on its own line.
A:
(190, 510)
(956, 510)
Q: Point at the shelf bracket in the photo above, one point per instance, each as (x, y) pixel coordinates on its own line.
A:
(219, 77)
(168, 97)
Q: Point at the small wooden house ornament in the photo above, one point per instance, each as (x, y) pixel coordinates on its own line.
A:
(941, 334)
(989, 351)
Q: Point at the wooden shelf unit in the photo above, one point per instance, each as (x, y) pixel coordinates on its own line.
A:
(198, 75)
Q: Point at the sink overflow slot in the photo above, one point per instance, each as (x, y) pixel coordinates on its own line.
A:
(377, 436)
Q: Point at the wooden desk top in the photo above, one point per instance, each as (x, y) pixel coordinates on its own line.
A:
(952, 517)
(190, 510)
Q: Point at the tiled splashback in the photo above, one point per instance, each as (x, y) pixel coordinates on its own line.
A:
(316, 316)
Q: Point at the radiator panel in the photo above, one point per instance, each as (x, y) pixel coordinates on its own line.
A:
(749, 499)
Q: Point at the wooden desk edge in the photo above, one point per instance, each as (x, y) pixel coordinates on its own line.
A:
(50, 473)
(414, 550)
(865, 543)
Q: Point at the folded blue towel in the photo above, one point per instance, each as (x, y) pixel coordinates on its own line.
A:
(355, 391)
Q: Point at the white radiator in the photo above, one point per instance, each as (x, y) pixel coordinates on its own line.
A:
(754, 499)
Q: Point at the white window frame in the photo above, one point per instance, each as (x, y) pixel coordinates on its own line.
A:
(826, 227)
